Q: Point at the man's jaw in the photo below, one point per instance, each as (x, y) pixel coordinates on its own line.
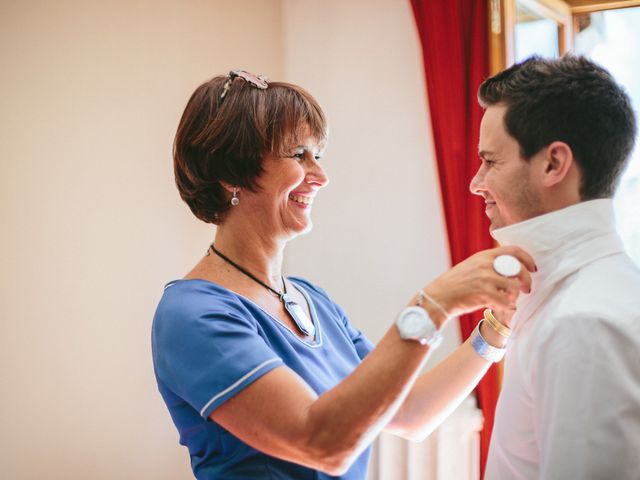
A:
(490, 210)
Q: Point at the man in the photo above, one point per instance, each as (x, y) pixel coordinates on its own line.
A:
(554, 139)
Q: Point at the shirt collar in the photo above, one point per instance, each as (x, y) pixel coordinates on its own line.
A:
(560, 229)
(560, 242)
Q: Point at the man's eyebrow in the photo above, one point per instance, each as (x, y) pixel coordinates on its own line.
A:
(485, 153)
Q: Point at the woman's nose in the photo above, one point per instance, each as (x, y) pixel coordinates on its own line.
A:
(317, 175)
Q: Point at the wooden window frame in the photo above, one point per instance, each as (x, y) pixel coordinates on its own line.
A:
(502, 21)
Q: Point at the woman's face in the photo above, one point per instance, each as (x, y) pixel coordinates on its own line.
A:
(288, 186)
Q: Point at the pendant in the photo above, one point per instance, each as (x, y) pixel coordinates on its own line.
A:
(299, 316)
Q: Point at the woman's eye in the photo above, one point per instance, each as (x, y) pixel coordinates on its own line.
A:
(304, 155)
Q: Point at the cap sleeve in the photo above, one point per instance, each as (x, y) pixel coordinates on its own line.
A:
(207, 346)
(360, 341)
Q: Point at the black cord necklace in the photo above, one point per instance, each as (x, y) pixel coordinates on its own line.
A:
(293, 308)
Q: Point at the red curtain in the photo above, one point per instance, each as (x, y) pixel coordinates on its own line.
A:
(455, 52)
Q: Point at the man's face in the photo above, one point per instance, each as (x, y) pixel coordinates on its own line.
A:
(504, 179)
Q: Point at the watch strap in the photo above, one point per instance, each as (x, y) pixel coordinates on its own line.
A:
(434, 340)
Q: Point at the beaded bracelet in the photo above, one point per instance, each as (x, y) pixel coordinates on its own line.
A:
(422, 295)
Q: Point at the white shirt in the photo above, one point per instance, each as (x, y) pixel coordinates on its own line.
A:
(570, 401)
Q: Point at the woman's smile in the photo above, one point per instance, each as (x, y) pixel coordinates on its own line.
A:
(301, 201)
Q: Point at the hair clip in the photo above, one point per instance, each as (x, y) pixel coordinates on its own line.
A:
(258, 81)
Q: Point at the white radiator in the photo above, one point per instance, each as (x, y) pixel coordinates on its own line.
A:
(452, 452)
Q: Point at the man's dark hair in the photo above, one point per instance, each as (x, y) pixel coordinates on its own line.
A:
(572, 100)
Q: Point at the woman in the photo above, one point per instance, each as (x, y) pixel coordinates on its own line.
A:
(263, 375)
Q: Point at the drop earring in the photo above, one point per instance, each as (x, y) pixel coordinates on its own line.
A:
(234, 199)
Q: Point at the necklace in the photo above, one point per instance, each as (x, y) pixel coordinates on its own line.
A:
(295, 311)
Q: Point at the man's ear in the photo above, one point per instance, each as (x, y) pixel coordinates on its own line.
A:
(558, 163)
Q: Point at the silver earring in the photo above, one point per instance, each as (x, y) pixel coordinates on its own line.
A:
(235, 200)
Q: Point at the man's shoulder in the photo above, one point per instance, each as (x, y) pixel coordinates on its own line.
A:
(602, 295)
(606, 291)
(615, 278)
(594, 312)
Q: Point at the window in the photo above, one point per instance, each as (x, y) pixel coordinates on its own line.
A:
(607, 32)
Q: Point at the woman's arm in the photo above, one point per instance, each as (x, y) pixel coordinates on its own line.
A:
(437, 393)
(280, 415)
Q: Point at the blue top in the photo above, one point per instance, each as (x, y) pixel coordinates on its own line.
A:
(210, 343)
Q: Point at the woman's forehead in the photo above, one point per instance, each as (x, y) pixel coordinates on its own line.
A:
(304, 137)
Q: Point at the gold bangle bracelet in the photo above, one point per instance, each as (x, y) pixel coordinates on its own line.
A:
(495, 324)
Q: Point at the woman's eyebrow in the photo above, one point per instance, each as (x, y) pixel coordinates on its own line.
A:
(309, 148)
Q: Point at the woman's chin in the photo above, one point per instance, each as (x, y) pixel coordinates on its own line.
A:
(301, 229)
(307, 229)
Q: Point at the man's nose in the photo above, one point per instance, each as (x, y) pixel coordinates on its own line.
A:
(476, 185)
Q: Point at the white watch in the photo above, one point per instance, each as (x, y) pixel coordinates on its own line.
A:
(414, 323)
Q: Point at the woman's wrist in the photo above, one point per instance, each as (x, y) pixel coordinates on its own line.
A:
(501, 328)
(436, 310)
(483, 347)
(492, 337)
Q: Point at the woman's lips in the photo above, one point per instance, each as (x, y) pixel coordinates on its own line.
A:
(301, 200)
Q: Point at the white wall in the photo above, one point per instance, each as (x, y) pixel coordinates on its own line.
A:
(92, 225)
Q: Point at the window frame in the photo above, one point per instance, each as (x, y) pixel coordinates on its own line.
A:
(502, 20)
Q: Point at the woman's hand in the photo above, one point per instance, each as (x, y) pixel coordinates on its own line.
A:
(473, 283)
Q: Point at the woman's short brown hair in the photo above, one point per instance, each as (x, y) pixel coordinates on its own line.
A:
(226, 140)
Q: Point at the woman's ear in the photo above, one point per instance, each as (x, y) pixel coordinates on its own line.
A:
(228, 187)
(558, 162)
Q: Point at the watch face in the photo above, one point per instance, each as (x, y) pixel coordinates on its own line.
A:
(413, 323)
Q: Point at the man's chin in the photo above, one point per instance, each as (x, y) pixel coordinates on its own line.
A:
(500, 223)
(495, 224)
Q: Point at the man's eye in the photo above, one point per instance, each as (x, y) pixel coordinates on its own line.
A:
(299, 155)
(317, 158)
(488, 163)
